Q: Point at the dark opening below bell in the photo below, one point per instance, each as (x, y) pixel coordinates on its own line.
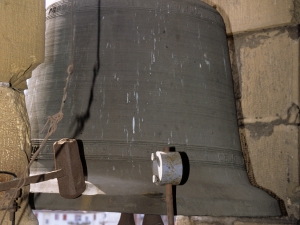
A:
(147, 74)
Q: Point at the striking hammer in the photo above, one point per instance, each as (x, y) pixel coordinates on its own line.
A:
(69, 171)
(170, 168)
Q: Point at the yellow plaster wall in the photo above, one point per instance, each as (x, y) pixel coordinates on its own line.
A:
(22, 33)
(22, 37)
(244, 15)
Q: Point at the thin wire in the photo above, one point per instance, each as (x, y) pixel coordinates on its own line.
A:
(52, 121)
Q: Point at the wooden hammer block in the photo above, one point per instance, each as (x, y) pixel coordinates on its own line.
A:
(67, 158)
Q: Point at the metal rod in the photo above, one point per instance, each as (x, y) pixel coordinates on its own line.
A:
(13, 218)
(31, 180)
(169, 199)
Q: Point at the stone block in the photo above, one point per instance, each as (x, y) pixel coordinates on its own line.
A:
(243, 15)
(22, 38)
(266, 74)
(274, 160)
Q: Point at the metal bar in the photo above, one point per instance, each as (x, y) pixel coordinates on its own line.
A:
(169, 199)
(31, 180)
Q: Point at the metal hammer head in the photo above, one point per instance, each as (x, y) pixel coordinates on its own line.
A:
(67, 158)
(170, 168)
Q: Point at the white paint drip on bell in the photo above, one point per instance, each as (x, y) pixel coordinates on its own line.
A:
(140, 125)
(133, 125)
(207, 63)
(125, 130)
(152, 58)
(137, 102)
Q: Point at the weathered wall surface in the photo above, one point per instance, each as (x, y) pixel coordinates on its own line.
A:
(21, 42)
(15, 148)
(22, 29)
(263, 39)
(243, 15)
(265, 67)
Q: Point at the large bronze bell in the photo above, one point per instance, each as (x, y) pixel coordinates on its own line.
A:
(147, 74)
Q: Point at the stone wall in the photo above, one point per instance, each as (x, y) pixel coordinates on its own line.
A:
(22, 26)
(205, 220)
(265, 68)
(263, 38)
(21, 40)
(15, 149)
